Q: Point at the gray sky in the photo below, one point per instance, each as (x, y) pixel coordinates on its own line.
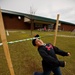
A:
(46, 8)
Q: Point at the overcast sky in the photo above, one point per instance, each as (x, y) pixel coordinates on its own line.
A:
(45, 8)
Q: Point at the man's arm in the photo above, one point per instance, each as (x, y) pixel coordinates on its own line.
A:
(61, 52)
(49, 59)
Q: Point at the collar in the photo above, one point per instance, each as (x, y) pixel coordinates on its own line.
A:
(44, 44)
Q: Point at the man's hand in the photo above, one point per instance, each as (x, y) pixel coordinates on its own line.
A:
(68, 54)
(65, 63)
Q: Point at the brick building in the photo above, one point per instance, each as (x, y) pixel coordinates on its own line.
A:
(17, 20)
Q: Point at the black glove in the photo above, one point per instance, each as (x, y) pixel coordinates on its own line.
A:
(62, 63)
(36, 36)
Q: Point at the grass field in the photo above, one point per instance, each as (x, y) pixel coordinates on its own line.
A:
(25, 57)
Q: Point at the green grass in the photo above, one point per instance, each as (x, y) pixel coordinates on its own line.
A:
(25, 57)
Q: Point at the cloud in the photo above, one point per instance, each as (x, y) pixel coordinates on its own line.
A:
(47, 8)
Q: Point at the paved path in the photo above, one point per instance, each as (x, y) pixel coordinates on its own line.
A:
(63, 36)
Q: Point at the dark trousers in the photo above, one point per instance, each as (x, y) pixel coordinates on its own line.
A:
(56, 71)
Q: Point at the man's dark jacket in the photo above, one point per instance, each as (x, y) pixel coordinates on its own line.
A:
(48, 53)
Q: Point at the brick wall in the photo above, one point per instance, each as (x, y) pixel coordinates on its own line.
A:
(67, 27)
(12, 22)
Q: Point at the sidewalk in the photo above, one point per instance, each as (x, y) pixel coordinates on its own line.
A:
(63, 36)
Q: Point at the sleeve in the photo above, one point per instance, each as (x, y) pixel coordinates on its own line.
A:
(60, 52)
(49, 59)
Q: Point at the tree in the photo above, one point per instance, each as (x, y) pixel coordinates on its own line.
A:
(32, 12)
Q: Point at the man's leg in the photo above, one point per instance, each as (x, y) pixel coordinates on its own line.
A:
(46, 68)
(46, 73)
(42, 73)
(57, 71)
(37, 73)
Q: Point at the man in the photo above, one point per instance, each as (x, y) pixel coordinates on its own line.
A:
(49, 59)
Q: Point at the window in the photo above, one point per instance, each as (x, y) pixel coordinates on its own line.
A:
(50, 26)
(38, 25)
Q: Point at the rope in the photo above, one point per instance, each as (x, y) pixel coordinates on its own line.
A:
(11, 42)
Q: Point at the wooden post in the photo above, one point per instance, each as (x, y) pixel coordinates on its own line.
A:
(5, 45)
(56, 30)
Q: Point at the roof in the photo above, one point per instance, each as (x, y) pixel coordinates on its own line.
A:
(39, 18)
